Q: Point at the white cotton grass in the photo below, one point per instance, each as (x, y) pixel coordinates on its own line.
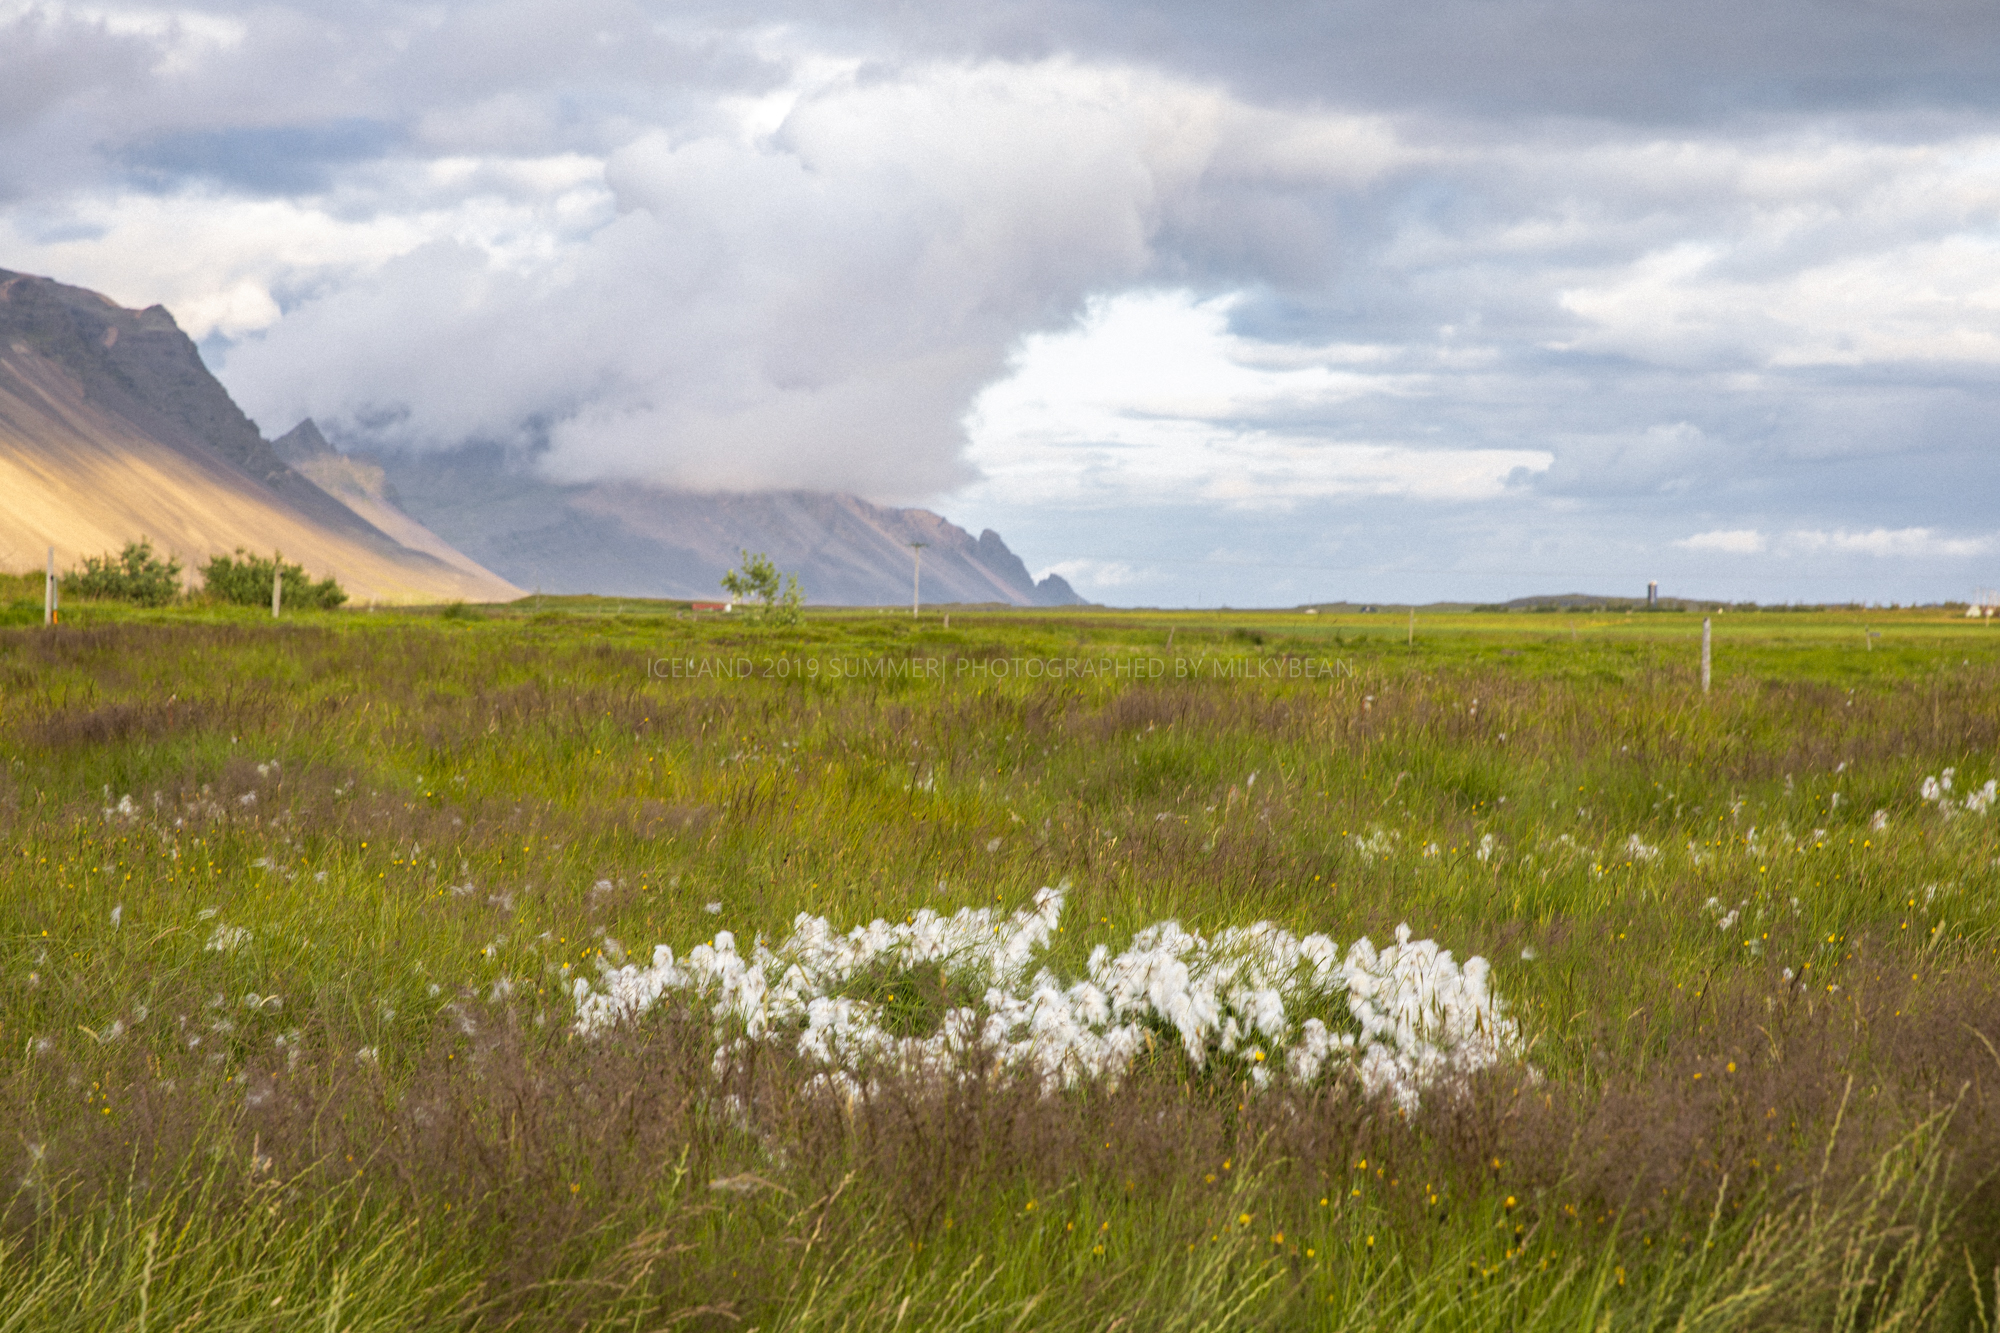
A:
(1639, 849)
(1937, 791)
(1256, 999)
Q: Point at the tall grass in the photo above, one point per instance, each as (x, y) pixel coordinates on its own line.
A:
(291, 912)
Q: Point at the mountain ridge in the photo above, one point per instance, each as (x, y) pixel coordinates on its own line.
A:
(632, 539)
(112, 429)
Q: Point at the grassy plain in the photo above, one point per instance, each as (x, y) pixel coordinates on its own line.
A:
(286, 1032)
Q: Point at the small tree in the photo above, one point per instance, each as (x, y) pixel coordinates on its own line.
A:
(135, 574)
(778, 596)
(245, 580)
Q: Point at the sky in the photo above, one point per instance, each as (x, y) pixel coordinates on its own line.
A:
(1254, 305)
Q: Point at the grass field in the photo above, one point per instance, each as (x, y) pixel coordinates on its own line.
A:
(294, 913)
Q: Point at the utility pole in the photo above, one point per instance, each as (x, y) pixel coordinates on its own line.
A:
(49, 591)
(277, 587)
(916, 577)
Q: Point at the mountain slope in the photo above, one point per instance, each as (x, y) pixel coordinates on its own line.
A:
(633, 540)
(362, 488)
(111, 429)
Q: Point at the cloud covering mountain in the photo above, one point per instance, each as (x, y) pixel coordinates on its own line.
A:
(1196, 305)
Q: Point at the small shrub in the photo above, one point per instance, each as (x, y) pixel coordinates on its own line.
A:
(135, 574)
(245, 580)
(758, 580)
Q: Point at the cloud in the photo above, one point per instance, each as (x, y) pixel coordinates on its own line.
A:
(274, 159)
(1905, 543)
(1094, 578)
(1486, 292)
(1688, 63)
(1150, 397)
(1728, 541)
(1669, 458)
(815, 306)
(1899, 543)
(221, 263)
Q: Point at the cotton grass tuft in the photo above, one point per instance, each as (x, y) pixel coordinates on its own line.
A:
(1255, 999)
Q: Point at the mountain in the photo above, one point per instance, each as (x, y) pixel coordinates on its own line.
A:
(111, 428)
(362, 488)
(633, 540)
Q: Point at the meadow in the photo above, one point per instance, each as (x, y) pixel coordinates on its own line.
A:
(296, 919)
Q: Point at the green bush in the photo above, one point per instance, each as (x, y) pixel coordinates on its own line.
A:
(245, 580)
(135, 574)
(758, 580)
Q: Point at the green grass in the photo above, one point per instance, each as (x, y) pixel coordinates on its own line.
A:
(430, 822)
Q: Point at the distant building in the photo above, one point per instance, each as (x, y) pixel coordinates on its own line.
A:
(712, 606)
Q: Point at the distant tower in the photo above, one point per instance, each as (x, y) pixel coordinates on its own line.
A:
(1652, 594)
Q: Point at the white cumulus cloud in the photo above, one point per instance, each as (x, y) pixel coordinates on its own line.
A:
(1729, 541)
(1903, 542)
